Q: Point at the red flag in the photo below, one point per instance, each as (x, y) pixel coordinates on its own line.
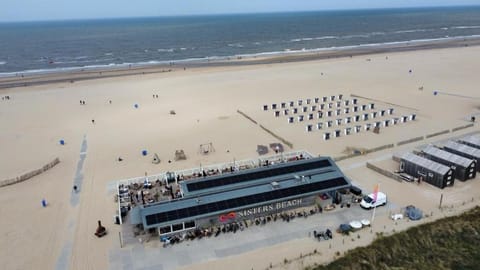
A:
(375, 192)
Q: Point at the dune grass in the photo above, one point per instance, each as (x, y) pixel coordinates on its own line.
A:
(449, 243)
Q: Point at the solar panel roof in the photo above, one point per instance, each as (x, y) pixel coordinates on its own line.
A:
(227, 204)
(447, 156)
(426, 163)
(257, 174)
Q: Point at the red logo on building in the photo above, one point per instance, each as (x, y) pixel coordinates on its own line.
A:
(227, 217)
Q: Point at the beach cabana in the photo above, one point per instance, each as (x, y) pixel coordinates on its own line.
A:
(283, 104)
(309, 101)
(358, 129)
(309, 128)
(472, 141)
(326, 136)
(291, 119)
(339, 121)
(464, 168)
(364, 107)
(354, 101)
(316, 99)
(274, 106)
(320, 114)
(337, 133)
(319, 125)
(310, 116)
(355, 108)
(368, 126)
(390, 111)
(464, 151)
(265, 107)
(347, 131)
(430, 171)
(300, 118)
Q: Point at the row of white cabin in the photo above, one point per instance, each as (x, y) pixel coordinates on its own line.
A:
(348, 119)
(358, 128)
(340, 102)
(321, 107)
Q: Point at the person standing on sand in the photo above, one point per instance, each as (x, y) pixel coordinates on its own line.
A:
(93, 121)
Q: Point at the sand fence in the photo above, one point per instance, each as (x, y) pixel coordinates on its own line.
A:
(30, 174)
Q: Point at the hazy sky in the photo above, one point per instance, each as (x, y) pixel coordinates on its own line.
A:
(27, 10)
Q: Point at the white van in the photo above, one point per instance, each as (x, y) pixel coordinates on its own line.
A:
(368, 203)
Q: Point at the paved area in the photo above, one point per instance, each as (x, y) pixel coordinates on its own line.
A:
(78, 179)
(64, 258)
(137, 256)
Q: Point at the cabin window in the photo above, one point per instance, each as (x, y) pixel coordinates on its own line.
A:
(189, 224)
(177, 227)
(165, 229)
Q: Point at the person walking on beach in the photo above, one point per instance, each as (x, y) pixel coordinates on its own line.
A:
(93, 121)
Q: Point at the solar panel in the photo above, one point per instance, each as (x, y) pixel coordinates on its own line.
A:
(192, 211)
(254, 175)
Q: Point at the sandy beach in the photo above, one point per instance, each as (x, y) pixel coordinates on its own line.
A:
(205, 101)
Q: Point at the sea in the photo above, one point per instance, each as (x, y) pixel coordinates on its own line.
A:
(55, 46)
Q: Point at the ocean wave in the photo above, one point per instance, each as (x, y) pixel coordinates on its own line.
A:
(3, 62)
(200, 60)
(108, 54)
(410, 31)
(166, 50)
(236, 45)
(466, 27)
(312, 38)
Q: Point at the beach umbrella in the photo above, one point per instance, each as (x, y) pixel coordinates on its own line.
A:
(144, 152)
(435, 93)
(44, 203)
(62, 142)
(136, 106)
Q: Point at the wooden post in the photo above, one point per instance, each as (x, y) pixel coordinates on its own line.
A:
(120, 238)
(441, 199)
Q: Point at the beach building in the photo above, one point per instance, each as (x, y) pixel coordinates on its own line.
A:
(242, 195)
(464, 168)
(472, 141)
(430, 171)
(464, 151)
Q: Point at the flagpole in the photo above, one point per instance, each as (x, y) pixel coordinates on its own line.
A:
(375, 194)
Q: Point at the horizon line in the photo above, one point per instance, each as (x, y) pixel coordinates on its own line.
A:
(230, 14)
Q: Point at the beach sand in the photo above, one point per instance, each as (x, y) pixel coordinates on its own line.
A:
(206, 101)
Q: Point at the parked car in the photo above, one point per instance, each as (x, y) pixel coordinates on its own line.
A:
(368, 201)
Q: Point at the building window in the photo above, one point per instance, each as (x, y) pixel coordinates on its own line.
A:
(177, 227)
(189, 224)
(166, 229)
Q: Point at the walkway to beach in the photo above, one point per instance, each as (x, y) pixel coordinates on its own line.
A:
(64, 258)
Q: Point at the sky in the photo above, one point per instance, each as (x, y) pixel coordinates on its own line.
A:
(33, 10)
